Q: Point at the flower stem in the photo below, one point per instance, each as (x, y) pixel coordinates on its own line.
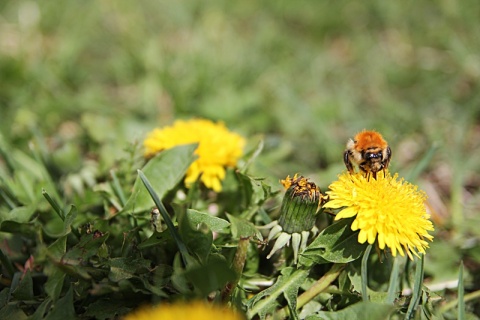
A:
(365, 273)
(237, 266)
(318, 287)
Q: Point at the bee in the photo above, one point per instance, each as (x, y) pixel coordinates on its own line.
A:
(369, 151)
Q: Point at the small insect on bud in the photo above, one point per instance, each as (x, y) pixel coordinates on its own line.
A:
(299, 210)
(300, 204)
(155, 220)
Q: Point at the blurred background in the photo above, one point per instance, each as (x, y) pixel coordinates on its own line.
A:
(86, 80)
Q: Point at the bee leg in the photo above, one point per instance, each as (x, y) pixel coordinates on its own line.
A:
(348, 163)
(388, 156)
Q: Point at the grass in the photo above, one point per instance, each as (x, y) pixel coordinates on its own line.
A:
(82, 83)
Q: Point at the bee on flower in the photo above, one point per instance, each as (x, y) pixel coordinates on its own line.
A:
(369, 151)
(388, 211)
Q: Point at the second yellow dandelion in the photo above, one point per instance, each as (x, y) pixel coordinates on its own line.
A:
(218, 148)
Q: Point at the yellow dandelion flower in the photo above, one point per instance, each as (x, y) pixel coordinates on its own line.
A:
(387, 209)
(218, 148)
(182, 310)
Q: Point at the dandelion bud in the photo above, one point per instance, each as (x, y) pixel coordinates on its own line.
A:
(299, 209)
(300, 205)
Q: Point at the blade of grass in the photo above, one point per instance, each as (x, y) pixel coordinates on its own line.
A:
(461, 294)
(176, 236)
(417, 288)
(117, 189)
(365, 273)
(423, 163)
(393, 284)
(451, 304)
(10, 203)
(54, 205)
(252, 158)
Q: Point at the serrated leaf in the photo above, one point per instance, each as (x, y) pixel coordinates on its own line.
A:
(164, 172)
(336, 243)
(215, 224)
(287, 284)
(358, 311)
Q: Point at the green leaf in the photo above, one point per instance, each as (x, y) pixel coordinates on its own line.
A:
(106, 309)
(57, 249)
(25, 229)
(198, 240)
(287, 284)
(358, 311)
(87, 247)
(164, 172)
(24, 289)
(215, 224)
(18, 214)
(242, 228)
(54, 284)
(41, 309)
(126, 268)
(336, 243)
(211, 276)
(63, 309)
(156, 239)
(12, 311)
(69, 219)
(4, 296)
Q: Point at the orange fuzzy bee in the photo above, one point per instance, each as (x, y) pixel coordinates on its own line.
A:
(369, 151)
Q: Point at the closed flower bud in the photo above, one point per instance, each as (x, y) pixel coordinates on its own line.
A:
(300, 205)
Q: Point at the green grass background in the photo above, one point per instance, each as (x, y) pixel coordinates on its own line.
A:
(83, 80)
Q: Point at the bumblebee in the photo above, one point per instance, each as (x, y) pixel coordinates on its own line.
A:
(369, 151)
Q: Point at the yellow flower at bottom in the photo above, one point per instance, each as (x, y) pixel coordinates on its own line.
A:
(387, 209)
(218, 148)
(183, 310)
